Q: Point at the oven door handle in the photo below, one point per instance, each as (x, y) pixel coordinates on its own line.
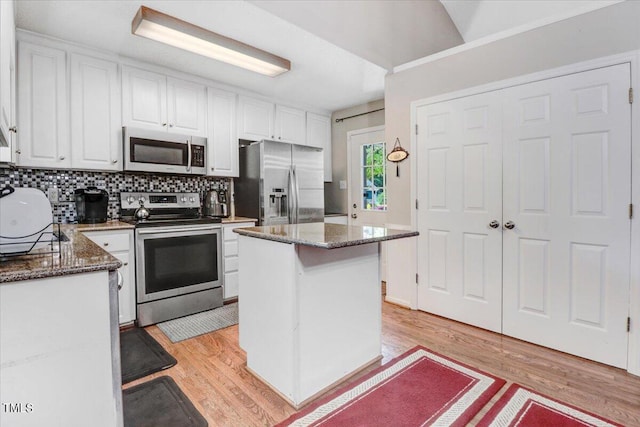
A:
(163, 230)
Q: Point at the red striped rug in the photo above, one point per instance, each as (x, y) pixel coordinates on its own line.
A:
(415, 389)
(522, 407)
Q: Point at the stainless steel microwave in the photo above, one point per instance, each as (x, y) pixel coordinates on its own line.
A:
(157, 151)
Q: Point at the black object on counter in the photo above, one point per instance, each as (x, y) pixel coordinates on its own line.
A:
(91, 205)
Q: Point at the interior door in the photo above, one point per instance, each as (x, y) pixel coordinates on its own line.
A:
(367, 178)
(460, 210)
(567, 189)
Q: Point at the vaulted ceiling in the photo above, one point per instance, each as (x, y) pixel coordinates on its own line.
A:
(340, 51)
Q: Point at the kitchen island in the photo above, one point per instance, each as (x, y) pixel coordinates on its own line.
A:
(310, 304)
(59, 340)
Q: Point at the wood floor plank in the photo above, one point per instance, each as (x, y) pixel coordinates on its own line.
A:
(212, 372)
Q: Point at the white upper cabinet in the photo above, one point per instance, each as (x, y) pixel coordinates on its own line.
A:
(222, 140)
(259, 120)
(255, 119)
(43, 139)
(96, 132)
(319, 135)
(7, 82)
(290, 125)
(155, 101)
(186, 107)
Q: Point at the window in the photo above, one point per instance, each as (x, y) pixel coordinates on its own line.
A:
(374, 181)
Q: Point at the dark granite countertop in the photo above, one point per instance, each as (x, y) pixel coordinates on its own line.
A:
(326, 236)
(78, 255)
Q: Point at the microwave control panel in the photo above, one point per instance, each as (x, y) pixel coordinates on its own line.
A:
(197, 156)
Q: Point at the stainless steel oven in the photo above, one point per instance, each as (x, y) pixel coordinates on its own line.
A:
(178, 257)
(154, 151)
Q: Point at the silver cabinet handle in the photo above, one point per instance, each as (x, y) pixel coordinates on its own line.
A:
(164, 124)
(509, 225)
(120, 280)
(13, 129)
(170, 125)
(114, 161)
(494, 224)
(354, 216)
(18, 151)
(61, 157)
(105, 244)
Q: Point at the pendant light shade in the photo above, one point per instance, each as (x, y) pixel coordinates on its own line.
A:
(166, 29)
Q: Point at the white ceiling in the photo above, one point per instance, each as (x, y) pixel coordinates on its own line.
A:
(340, 51)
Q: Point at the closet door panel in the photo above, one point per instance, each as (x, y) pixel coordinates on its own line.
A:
(567, 189)
(460, 192)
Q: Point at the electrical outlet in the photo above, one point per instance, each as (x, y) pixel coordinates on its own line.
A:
(53, 194)
(343, 185)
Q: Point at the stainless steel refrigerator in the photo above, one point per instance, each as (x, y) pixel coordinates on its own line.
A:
(280, 183)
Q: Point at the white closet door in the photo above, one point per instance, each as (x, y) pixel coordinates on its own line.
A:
(460, 194)
(567, 189)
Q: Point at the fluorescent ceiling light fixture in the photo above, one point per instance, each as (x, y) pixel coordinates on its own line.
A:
(166, 29)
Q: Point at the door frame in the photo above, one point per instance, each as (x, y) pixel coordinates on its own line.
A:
(633, 58)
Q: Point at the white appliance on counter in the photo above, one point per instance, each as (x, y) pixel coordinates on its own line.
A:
(26, 220)
(280, 183)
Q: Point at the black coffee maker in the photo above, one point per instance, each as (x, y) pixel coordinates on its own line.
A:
(91, 205)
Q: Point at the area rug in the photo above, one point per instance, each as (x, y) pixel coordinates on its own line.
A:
(159, 402)
(200, 323)
(141, 355)
(415, 389)
(522, 407)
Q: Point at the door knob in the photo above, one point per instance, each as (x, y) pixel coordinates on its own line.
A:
(354, 216)
(509, 225)
(494, 224)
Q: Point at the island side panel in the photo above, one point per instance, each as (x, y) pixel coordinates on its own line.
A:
(266, 304)
(339, 311)
(55, 351)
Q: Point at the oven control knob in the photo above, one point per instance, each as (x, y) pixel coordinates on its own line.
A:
(131, 199)
(183, 199)
(141, 199)
(192, 199)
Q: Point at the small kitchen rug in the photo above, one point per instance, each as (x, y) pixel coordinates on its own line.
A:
(159, 402)
(141, 355)
(200, 323)
(415, 389)
(522, 407)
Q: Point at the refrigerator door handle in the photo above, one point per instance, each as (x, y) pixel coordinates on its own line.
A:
(290, 193)
(296, 189)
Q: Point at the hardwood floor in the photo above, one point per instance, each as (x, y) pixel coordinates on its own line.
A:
(211, 370)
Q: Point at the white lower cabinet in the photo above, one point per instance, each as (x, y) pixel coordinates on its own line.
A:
(230, 258)
(119, 243)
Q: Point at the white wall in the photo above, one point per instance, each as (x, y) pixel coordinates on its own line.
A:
(607, 31)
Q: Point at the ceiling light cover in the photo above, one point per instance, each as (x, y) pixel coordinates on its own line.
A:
(166, 29)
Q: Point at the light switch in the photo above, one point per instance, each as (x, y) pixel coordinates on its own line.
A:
(343, 185)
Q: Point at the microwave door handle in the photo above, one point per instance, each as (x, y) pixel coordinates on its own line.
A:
(189, 155)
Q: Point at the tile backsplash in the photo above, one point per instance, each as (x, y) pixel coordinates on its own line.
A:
(67, 181)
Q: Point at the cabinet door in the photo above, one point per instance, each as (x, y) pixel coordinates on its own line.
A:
(290, 125)
(255, 119)
(319, 135)
(222, 142)
(7, 79)
(43, 114)
(186, 107)
(144, 99)
(95, 114)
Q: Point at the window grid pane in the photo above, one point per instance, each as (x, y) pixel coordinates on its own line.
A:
(374, 180)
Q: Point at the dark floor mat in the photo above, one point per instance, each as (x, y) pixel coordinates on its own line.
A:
(159, 403)
(141, 355)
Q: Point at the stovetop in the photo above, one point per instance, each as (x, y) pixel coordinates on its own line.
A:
(165, 209)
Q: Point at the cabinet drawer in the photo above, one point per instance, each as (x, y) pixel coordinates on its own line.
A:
(230, 285)
(110, 242)
(230, 248)
(231, 264)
